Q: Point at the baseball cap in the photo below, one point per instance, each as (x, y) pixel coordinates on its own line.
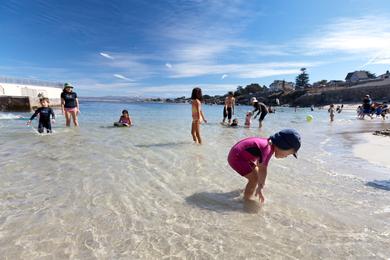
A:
(287, 139)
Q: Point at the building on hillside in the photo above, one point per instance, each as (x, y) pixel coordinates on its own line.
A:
(384, 76)
(356, 76)
(336, 83)
(24, 93)
(281, 85)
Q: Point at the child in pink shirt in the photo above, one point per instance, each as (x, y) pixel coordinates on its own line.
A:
(249, 157)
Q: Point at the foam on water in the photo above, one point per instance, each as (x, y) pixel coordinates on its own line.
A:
(147, 192)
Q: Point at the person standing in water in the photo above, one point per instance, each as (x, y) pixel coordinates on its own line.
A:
(197, 115)
(228, 109)
(70, 104)
(261, 108)
(331, 112)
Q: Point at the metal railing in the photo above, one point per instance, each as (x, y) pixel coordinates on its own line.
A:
(32, 82)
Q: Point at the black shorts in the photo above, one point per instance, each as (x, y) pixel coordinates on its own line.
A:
(227, 112)
(262, 115)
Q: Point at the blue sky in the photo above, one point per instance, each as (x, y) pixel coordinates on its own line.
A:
(165, 48)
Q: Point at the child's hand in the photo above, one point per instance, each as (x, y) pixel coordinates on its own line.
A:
(260, 193)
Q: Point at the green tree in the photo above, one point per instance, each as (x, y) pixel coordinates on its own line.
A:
(302, 79)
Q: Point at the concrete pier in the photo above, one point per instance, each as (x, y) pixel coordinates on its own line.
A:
(22, 94)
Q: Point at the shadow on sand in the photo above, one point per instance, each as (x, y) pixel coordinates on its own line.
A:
(223, 202)
(383, 185)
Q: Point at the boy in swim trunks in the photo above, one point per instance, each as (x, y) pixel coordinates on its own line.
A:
(249, 157)
(228, 109)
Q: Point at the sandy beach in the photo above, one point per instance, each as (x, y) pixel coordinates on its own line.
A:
(374, 149)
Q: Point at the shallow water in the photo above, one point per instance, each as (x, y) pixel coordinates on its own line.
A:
(148, 193)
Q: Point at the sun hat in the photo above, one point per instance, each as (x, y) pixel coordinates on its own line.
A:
(68, 85)
(287, 139)
(253, 100)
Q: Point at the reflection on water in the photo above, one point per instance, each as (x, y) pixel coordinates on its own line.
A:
(147, 192)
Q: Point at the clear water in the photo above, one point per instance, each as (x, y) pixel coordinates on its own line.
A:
(147, 192)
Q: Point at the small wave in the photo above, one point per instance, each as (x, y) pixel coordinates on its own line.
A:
(10, 116)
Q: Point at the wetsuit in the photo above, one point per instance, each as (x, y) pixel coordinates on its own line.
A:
(247, 153)
(44, 118)
(261, 108)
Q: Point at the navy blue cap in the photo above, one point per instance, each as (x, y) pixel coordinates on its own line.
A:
(287, 139)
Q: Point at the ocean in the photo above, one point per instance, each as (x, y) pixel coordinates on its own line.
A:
(148, 192)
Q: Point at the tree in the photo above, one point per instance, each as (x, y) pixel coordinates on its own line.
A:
(371, 75)
(302, 79)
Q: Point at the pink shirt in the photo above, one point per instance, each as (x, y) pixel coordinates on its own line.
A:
(253, 144)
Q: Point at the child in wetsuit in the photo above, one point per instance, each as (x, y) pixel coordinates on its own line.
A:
(249, 157)
(44, 113)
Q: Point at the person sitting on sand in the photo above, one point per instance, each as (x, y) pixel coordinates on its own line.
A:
(250, 156)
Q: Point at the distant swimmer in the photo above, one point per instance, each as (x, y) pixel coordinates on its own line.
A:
(44, 113)
(250, 156)
(228, 108)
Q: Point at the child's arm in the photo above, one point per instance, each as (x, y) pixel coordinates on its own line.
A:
(261, 176)
(33, 116)
(201, 115)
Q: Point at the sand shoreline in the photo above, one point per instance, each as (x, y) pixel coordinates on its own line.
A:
(374, 149)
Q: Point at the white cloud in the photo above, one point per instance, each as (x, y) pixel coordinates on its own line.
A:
(254, 70)
(224, 76)
(168, 65)
(366, 37)
(106, 55)
(119, 76)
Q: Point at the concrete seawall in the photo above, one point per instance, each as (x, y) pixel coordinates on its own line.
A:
(23, 104)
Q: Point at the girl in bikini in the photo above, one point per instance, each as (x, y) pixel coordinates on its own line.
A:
(197, 115)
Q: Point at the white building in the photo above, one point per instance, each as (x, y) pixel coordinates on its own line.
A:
(279, 85)
(356, 76)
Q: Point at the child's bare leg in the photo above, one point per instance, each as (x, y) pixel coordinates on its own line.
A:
(193, 132)
(251, 185)
(197, 132)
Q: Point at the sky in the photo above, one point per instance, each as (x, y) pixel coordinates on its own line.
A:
(165, 48)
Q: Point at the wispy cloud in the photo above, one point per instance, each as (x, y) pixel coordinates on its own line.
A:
(255, 70)
(367, 37)
(224, 76)
(119, 76)
(106, 55)
(168, 65)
